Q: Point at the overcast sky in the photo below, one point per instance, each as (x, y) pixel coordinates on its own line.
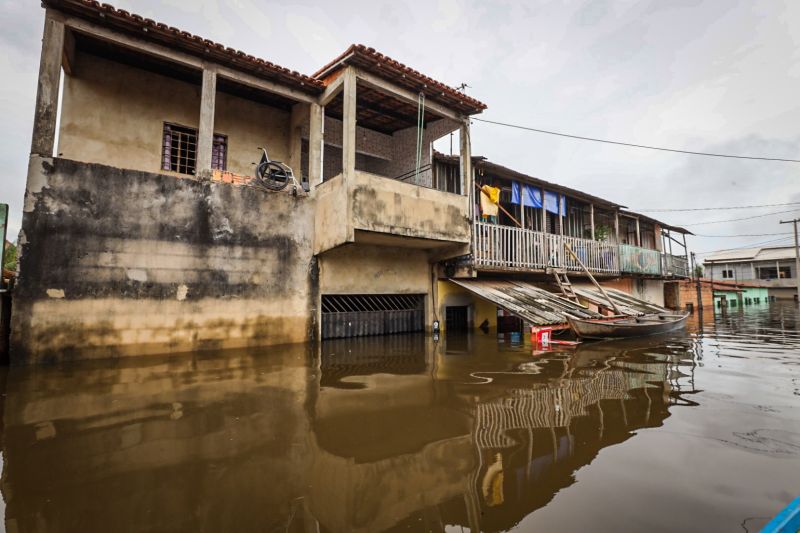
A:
(718, 76)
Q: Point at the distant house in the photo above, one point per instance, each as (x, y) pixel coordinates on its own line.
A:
(773, 266)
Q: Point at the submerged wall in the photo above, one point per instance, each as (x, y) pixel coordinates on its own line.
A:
(118, 262)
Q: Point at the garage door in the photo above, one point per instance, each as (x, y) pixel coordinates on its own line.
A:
(361, 315)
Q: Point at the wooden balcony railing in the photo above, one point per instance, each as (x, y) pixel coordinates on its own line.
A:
(675, 265)
(505, 247)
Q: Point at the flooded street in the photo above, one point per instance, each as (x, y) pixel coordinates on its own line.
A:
(698, 431)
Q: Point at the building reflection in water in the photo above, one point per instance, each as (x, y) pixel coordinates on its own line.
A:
(360, 435)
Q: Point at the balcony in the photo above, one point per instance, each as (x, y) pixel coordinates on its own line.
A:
(499, 247)
(675, 266)
(506, 248)
(637, 260)
(372, 209)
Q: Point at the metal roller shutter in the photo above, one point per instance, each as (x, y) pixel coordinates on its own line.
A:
(361, 315)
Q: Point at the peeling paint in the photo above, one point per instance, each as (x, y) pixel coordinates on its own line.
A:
(55, 293)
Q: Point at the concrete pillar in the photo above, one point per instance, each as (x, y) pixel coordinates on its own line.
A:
(205, 133)
(349, 123)
(316, 124)
(299, 116)
(467, 177)
(46, 111)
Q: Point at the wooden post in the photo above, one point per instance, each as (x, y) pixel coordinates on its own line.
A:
(349, 123)
(560, 215)
(315, 143)
(638, 234)
(616, 226)
(205, 132)
(596, 284)
(591, 218)
(544, 214)
(46, 110)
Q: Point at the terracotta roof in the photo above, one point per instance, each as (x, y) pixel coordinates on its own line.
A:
(151, 30)
(372, 61)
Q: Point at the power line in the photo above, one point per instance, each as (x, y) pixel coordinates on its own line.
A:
(632, 145)
(752, 245)
(737, 219)
(714, 208)
(744, 235)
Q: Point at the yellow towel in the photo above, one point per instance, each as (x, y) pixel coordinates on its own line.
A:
(490, 197)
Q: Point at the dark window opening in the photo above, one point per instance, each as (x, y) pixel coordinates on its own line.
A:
(179, 150)
(456, 318)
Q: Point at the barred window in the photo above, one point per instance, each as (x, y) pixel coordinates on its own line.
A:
(179, 150)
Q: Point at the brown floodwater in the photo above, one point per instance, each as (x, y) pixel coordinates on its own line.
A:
(697, 431)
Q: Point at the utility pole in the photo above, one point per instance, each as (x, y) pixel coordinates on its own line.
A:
(698, 287)
(796, 255)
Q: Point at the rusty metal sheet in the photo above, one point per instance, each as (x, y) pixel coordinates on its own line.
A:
(525, 300)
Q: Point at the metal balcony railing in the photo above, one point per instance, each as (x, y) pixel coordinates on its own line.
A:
(636, 260)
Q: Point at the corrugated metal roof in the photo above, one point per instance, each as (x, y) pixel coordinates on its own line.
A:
(627, 304)
(528, 302)
(774, 253)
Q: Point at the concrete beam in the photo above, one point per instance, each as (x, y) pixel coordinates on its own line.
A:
(265, 85)
(68, 60)
(205, 133)
(333, 89)
(349, 123)
(182, 58)
(46, 111)
(316, 122)
(410, 97)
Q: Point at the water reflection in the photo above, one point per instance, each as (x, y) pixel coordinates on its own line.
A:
(359, 435)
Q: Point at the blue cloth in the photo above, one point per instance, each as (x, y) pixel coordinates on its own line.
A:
(551, 203)
(530, 196)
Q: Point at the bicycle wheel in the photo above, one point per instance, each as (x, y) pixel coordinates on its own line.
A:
(272, 176)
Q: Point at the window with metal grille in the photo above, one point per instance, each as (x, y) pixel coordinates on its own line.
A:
(179, 149)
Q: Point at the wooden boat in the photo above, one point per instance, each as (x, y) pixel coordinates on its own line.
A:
(624, 327)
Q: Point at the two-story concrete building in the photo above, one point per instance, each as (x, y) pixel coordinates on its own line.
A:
(141, 233)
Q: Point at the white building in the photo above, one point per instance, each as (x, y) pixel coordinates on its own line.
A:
(773, 266)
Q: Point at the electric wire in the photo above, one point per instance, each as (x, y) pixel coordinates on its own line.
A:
(633, 145)
(737, 219)
(743, 235)
(751, 245)
(714, 208)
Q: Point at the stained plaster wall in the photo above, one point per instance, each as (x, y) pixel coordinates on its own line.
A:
(114, 114)
(116, 262)
(367, 269)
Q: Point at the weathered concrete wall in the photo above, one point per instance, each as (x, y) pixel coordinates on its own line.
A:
(117, 262)
(114, 114)
(391, 206)
(332, 225)
(480, 310)
(364, 269)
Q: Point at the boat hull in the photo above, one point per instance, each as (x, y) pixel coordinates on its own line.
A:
(626, 327)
